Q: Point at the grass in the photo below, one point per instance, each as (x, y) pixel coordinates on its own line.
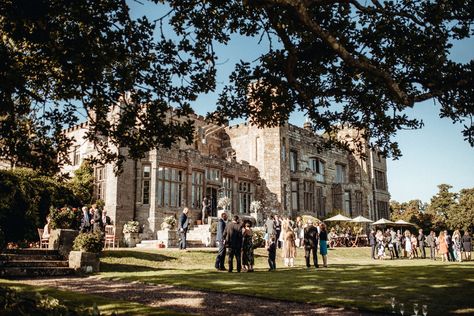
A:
(352, 280)
(72, 299)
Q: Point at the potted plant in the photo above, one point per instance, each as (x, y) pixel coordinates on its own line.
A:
(224, 202)
(130, 231)
(85, 254)
(168, 223)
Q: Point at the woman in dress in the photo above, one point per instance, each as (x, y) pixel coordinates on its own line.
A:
(289, 246)
(247, 247)
(323, 244)
(380, 244)
(443, 246)
(408, 246)
(299, 232)
(47, 229)
(414, 245)
(457, 245)
(467, 245)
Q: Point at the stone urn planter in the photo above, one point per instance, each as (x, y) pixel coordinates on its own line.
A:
(62, 240)
(131, 239)
(84, 262)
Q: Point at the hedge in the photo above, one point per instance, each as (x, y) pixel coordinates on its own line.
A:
(25, 199)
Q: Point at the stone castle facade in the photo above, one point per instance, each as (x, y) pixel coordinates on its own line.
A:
(283, 167)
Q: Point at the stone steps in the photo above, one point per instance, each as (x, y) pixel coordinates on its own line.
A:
(148, 244)
(39, 264)
(33, 263)
(34, 271)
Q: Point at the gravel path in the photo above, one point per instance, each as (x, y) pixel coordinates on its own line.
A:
(186, 300)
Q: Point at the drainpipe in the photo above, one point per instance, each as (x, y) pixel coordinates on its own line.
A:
(372, 175)
(135, 182)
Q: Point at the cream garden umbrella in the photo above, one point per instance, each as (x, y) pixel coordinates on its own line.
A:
(338, 218)
(361, 219)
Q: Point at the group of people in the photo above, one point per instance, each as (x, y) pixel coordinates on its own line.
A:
(236, 240)
(391, 244)
(93, 219)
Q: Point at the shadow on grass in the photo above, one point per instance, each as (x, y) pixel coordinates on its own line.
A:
(157, 257)
(120, 267)
(446, 289)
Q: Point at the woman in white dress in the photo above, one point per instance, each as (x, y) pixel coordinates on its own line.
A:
(408, 246)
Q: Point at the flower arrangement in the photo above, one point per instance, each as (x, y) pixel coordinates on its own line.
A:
(131, 227)
(224, 202)
(64, 218)
(255, 206)
(168, 222)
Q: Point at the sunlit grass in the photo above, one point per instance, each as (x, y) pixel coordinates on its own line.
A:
(352, 279)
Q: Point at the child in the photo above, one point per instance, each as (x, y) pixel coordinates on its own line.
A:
(272, 253)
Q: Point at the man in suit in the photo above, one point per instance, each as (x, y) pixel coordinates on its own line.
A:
(372, 243)
(85, 221)
(183, 228)
(421, 243)
(431, 241)
(105, 219)
(233, 241)
(311, 244)
(449, 242)
(277, 223)
(220, 242)
(96, 219)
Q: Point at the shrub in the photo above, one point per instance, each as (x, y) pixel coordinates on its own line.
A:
(131, 227)
(64, 218)
(89, 242)
(2, 240)
(25, 200)
(17, 303)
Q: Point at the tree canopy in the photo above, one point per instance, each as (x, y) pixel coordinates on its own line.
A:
(356, 63)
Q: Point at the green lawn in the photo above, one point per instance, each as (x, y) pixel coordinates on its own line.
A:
(352, 279)
(106, 306)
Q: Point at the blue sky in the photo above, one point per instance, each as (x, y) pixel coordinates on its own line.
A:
(433, 155)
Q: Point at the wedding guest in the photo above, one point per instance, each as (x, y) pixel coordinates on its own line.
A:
(220, 259)
(421, 243)
(299, 232)
(272, 253)
(47, 228)
(467, 245)
(233, 240)
(311, 244)
(372, 243)
(323, 244)
(431, 241)
(443, 246)
(408, 244)
(277, 226)
(183, 225)
(449, 242)
(289, 246)
(247, 247)
(414, 245)
(85, 220)
(457, 245)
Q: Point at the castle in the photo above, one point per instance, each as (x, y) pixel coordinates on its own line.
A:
(284, 167)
